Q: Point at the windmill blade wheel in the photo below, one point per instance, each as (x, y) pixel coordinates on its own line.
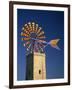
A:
(32, 33)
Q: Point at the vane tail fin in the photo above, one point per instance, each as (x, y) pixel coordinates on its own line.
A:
(54, 43)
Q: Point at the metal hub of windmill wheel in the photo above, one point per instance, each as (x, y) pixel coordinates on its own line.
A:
(33, 35)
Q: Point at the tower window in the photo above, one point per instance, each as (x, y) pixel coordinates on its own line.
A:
(39, 71)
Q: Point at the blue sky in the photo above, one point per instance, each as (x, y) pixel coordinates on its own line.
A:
(52, 23)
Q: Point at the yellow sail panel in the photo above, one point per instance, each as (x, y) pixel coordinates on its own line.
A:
(26, 38)
(30, 27)
(33, 26)
(26, 31)
(21, 33)
(22, 39)
(42, 37)
(24, 34)
(41, 33)
(23, 28)
(26, 27)
(39, 30)
(36, 28)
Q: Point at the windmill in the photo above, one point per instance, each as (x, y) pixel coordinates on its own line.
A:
(33, 38)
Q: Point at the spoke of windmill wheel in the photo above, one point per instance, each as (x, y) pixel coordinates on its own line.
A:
(27, 43)
(41, 44)
(38, 40)
(41, 47)
(42, 41)
(37, 46)
(29, 47)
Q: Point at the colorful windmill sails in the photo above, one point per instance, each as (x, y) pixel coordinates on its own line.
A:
(34, 38)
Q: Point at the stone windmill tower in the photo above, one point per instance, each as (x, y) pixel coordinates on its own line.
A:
(34, 40)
